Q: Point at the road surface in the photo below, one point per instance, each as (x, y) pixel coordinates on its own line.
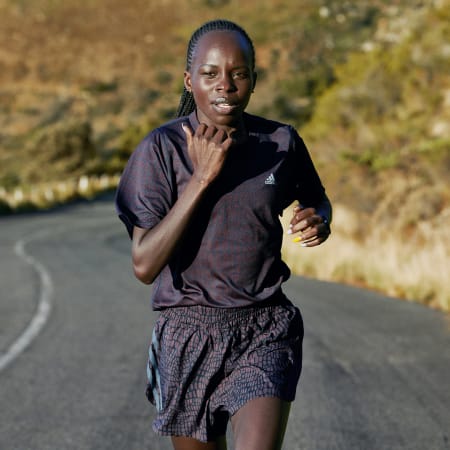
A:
(75, 324)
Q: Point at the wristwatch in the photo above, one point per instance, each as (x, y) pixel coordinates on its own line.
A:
(327, 223)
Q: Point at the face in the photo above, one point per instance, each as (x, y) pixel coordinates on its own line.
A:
(221, 78)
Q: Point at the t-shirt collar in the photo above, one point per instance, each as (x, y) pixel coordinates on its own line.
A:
(194, 123)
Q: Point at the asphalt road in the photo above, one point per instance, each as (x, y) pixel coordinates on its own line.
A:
(75, 324)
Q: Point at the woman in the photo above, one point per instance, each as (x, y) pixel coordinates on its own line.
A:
(201, 198)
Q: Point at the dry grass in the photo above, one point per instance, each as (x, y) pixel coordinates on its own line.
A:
(48, 195)
(414, 269)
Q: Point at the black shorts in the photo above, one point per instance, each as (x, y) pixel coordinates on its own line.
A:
(206, 363)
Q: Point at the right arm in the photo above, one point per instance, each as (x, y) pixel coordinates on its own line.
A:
(153, 248)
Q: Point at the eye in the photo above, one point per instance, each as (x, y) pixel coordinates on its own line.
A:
(241, 75)
(208, 73)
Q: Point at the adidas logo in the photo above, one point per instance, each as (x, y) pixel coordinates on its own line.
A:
(270, 179)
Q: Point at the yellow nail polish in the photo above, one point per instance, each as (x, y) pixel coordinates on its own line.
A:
(297, 239)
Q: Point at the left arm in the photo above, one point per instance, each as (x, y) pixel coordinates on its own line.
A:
(311, 218)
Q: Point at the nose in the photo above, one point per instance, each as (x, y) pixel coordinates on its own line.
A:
(226, 83)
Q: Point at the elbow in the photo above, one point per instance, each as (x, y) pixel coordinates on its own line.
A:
(146, 268)
(143, 269)
(144, 276)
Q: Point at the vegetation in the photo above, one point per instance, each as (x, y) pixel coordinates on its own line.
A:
(367, 83)
(383, 134)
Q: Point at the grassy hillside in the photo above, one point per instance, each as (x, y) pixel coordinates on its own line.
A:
(98, 74)
(366, 83)
(383, 135)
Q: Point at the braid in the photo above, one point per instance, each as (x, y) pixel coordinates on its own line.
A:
(187, 102)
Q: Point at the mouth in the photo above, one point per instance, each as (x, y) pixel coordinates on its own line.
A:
(224, 105)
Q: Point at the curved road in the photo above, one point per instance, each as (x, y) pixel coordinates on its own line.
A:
(74, 327)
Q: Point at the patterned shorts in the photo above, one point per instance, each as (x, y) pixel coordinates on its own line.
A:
(206, 363)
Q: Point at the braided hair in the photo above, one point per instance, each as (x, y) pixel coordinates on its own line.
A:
(187, 102)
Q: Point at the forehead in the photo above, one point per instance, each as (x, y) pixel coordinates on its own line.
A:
(217, 45)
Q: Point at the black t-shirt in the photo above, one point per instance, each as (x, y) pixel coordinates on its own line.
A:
(231, 254)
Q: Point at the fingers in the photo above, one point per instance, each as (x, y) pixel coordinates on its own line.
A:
(303, 219)
(313, 236)
(209, 134)
(188, 132)
(312, 228)
(207, 148)
(218, 137)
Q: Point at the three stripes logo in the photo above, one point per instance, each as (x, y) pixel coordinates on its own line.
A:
(154, 382)
(270, 179)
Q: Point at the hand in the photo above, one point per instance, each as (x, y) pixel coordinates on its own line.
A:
(208, 149)
(312, 228)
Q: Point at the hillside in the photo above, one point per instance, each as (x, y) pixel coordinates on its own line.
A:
(81, 82)
(383, 135)
(366, 83)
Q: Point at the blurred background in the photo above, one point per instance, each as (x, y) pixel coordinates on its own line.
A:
(366, 83)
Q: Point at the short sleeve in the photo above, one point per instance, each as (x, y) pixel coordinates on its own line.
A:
(308, 187)
(144, 194)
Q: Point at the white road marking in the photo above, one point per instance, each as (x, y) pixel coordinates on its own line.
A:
(44, 307)
(42, 312)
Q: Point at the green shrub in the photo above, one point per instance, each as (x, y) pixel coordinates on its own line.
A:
(10, 180)
(63, 148)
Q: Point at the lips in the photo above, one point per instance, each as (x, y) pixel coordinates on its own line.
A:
(224, 105)
(221, 101)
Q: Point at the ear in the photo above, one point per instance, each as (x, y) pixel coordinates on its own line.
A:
(187, 81)
(255, 76)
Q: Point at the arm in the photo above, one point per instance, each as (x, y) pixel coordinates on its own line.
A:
(153, 248)
(311, 218)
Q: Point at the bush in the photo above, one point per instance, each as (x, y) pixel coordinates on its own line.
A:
(4, 207)
(60, 149)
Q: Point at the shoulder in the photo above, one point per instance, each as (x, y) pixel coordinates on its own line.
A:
(164, 138)
(273, 129)
(170, 130)
(261, 125)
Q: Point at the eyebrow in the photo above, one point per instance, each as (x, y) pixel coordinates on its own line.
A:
(215, 66)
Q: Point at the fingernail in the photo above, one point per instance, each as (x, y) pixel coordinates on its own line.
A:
(304, 244)
(297, 239)
(289, 231)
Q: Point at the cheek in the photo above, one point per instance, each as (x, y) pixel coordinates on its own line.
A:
(202, 85)
(200, 91)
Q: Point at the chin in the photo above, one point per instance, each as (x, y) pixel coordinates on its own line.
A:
(228, 121)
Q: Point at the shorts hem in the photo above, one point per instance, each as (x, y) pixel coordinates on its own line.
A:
(242, 403)
(169, 433)
(199, 435)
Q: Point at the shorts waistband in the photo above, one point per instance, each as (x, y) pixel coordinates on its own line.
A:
(213, 316)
